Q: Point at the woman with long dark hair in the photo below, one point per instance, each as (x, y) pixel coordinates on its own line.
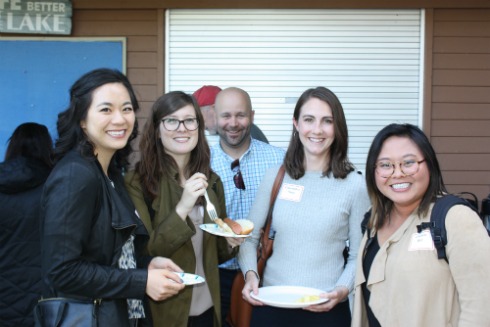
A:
(167, 188)
(319, 207)
(92, 236)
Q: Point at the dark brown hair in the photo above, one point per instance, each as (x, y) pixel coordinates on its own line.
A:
(31, 140)
(71, 134)
(155, 162)
(381, 205)
(339, 165)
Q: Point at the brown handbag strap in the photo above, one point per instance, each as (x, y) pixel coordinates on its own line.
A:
(275, 190)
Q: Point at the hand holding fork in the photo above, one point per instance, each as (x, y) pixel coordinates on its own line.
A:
(214, 215)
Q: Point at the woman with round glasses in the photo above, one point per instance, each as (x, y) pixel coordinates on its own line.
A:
(399, 280)
(167, 188)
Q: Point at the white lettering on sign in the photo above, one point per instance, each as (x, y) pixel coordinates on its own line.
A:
(57, 23)
(42, 17)
(46, 6)
(14, 4)
(36, 22)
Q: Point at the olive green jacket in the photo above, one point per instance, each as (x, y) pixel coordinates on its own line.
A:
(170, 237)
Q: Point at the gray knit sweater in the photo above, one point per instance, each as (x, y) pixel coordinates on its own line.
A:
(310, 234)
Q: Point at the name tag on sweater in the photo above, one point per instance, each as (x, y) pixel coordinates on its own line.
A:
(291, 192)
(421, 241)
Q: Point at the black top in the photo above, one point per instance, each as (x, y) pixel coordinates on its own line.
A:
(257, 134)
(370, 251)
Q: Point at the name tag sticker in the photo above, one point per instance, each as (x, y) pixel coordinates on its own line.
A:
(421, 241)
(291, 192)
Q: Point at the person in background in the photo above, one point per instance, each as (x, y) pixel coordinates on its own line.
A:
(320, 206)
(167, 186)
(28, 162)
(92, 236)
(241, 161)
(206, 98)
(400, 281)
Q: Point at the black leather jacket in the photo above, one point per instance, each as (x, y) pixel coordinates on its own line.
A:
(86, 223)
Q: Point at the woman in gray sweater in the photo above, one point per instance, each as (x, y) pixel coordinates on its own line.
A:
(319, 207)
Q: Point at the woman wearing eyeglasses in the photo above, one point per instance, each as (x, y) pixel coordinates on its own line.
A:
(167, 188)
(400, 281)
(319, 207)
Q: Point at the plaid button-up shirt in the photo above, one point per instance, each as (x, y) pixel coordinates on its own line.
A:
(254, 163)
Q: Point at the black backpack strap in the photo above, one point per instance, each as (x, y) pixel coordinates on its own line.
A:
(471, 198)
(364, 223)
(365, 229)
(437, 224)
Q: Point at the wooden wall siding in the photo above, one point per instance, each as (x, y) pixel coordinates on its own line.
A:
(472, 111)
(281, 4)
(458, 106)
(140, 28)
(460, 113)
(461, 77)
(455, 44)
(143, 31)
(457, 144)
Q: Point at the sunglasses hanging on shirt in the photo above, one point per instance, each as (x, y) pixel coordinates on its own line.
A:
(237, 178)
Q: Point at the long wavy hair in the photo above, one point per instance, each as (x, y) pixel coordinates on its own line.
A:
(31, 140)
(339, 165)
(71, 134)
(381, 205)
(155, 162)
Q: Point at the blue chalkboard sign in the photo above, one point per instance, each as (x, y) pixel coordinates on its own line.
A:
(36, 74)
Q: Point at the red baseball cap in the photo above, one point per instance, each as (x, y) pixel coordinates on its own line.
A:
(206, 95)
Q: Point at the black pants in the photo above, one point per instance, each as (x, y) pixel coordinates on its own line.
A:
(226, 277)
(205, 319)
(267, 316)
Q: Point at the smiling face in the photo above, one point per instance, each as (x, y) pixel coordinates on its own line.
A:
(181, 142)
(315, 130)
(110, 120)
(405, 191)
(234, 119)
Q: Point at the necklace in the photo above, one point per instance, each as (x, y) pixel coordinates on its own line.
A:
(110, 180)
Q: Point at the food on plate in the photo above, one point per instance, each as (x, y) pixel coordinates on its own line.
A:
(224, 226)
(246, 225)
(237, 229)
(308, 298)
(240, 226)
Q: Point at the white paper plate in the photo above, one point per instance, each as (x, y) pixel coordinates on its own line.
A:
(190, 279)
(287, 296)
(216, 230)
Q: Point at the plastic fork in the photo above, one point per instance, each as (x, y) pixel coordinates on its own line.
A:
(210, 208)
(214, 215)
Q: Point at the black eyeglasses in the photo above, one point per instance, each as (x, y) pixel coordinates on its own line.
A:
(237, 178)
(172, 124)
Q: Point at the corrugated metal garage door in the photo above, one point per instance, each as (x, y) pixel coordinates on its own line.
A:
(370, 58)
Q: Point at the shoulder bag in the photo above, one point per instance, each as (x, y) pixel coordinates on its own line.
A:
(240, 310)
(64, 312)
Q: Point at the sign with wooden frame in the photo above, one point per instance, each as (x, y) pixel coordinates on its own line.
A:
(36, 17)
